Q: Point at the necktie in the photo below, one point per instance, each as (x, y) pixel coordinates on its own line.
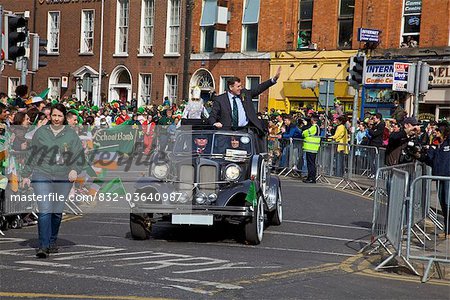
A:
(235, 114)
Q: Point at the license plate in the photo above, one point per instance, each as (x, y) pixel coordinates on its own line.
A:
(192, 219)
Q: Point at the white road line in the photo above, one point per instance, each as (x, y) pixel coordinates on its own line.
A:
(184, 262)
(284, 249)
(51, 264)
(89, 277)
(86, 254)
(11, 240)
(316, 236)
(218, 285)
(110, 223)
(194, 290)
(326, 224)
(115, 255)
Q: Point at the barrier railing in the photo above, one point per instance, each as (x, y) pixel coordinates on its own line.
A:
(423, 214)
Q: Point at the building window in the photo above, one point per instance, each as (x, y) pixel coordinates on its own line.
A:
(147, 29)
(411, 24)
(53, 31)
(171, 89)
(13, 83)
(173, 27)
(251, 83)
(145, 89)
(223, 83)
(87, 31)
(305, 23)
(207, 22)
(123, 13)
(345, 23)
(207, 39)
(54, 84)
(250, 21)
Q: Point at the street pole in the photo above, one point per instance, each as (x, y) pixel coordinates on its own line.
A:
(100, 64)
(416, 90)
(326, 108)
(354, 117)
(1, 42)
(187, 49)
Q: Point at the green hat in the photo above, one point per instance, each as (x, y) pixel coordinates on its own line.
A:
(54, 102)
(74, 111)
(141, 110)
(95, 108)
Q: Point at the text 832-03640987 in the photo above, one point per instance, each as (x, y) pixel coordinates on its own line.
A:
(216, 176)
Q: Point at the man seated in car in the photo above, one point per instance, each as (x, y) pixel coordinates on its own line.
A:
(201, 145)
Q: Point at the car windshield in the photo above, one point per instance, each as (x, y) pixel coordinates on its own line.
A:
(213, 143)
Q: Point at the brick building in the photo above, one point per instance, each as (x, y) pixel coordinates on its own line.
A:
(309, 39)
(142, 41)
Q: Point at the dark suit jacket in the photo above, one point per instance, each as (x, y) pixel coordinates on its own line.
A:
(221, 110)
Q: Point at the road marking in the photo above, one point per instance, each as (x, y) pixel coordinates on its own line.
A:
(180, 262)
(194, 290)
(364, 268)
(89, 277)
(219, 285)
(283, 249)
(316, 236)
(11, 240)
(51, 264)
(228, 266)
(104, 222)
(74, 296)
(326, 224)
(86, 254)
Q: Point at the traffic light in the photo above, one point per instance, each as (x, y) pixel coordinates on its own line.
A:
(356, 67)
(425, 77)
(15, 36)
(37, 52)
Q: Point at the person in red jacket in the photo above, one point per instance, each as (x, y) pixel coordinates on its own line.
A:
(122, 117)
(148, 127)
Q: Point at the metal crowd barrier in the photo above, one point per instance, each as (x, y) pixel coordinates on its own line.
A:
(424, 214)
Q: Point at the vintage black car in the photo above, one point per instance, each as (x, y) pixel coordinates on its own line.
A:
(205, 179)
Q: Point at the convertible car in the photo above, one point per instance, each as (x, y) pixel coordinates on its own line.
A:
(208, 177)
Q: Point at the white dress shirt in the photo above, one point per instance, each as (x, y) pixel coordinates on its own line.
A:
(243, 121)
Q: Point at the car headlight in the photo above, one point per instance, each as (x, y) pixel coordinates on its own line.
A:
(184, 197)
(232, 172)
(160, 171)
(212, 198)
(200, 198)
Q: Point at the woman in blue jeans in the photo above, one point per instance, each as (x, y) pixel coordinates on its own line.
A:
(56, 157)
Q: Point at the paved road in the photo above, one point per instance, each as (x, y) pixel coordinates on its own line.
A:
(313, 254)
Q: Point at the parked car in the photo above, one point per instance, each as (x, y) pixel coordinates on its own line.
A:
(205, 179)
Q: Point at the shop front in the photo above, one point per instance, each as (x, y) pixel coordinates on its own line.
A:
(301, 72)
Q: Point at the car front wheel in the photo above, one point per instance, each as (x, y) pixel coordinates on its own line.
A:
(276, 216)
(255, 228)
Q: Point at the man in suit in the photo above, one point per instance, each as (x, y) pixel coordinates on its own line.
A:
(234, 108)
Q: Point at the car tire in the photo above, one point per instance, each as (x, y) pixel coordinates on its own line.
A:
(276, 216)
(255, 228)
(140, 226)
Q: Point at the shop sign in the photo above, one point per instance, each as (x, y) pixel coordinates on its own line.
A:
(400, 76)
(368, 35)
(379, 75)
(440, 74)
(413, 7)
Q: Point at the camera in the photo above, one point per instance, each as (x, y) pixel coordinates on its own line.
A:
(412, 151)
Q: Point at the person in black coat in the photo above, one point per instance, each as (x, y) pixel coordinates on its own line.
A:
(376, 130)
(438, 157)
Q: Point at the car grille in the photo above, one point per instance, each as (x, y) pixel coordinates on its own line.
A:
(204, 171)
